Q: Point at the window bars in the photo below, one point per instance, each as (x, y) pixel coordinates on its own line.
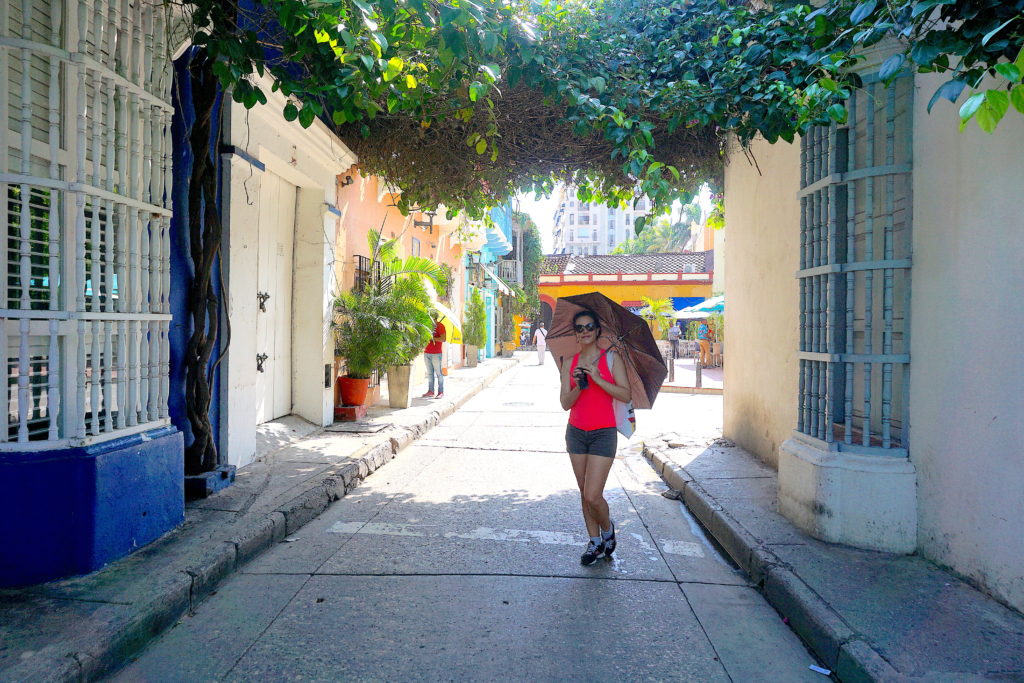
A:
(365, 278)
(85, 171)
(854, 277)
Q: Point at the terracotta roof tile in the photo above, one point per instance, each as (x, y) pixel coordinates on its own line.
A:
(558, 264)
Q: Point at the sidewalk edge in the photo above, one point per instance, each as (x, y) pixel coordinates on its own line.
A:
(230, 555)
(849, 656)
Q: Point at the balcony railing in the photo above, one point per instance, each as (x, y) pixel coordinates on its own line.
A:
(511, 272)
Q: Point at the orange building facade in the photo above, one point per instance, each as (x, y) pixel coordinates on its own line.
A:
(365, 204)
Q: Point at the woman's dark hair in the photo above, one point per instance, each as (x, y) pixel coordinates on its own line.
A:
(586, 312)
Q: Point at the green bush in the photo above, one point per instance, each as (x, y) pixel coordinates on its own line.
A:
(475, 331)
(716, 321)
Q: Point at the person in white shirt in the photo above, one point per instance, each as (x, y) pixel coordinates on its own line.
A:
(540, 338)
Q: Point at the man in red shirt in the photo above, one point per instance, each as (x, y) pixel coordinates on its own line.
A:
(433, 355)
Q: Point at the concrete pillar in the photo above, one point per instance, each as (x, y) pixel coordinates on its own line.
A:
(867, 501)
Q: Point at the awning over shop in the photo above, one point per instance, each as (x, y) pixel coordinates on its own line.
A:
(502, 287)
(497, 242)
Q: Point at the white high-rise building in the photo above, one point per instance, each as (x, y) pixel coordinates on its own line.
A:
(586, 229)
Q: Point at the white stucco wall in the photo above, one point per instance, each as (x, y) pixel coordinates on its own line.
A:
(762, 309)
(967, 326)
(718, 279)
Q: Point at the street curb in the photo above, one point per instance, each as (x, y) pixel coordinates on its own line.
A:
(840, 649)
(92, 660)
(672, 389)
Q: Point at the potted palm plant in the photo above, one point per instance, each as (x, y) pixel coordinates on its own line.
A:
(475, 332)
(507, 331)
(386, 323)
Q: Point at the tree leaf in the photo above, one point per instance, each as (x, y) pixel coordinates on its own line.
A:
(891, 66)
(411, 82)
(949, 90)
(1009, 71)
(991, 34)
(971, 106)
(291, 112)
(863, 11)
(476, 89)
(987, 118)
(922, 7)
(481, 146)
(1017, 98)
(393, 69)
(837, 113)
(492, 70)
(998, 101)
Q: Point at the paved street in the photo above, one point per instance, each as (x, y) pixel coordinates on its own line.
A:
(459, 560)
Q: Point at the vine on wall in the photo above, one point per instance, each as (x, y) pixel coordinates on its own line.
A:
(205, 237)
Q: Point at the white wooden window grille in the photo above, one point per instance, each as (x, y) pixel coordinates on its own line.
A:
(855, 264)
(85, 171)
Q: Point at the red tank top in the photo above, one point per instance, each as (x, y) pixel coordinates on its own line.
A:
(593, 409)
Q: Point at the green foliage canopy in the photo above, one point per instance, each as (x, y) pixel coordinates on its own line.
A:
(965, 40)
(463, 102)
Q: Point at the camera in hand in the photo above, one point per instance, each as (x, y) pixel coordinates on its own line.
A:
(582, 381)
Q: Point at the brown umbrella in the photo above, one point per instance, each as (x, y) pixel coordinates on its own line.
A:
(626, 332)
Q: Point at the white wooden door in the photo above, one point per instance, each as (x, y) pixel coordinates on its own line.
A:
(274, 283)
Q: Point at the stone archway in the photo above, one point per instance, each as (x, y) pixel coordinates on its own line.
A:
(547, 309)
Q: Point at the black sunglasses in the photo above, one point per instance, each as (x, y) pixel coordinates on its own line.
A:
(586, 327)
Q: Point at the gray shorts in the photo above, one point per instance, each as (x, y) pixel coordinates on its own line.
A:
(591, 441)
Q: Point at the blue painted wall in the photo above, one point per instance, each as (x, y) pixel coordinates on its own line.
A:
(73, 510)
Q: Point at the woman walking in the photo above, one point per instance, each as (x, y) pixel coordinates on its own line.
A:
(589, 383)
